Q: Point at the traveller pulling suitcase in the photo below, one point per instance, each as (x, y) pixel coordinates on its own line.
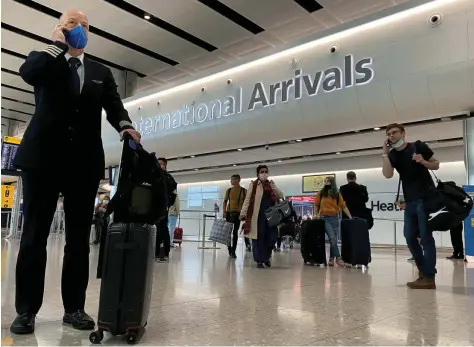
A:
(355, 242)
(313, 244)
(126, 259)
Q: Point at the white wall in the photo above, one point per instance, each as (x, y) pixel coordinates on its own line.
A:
(381, 190)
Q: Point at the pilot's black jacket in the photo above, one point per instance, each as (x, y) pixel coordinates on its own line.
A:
(64, 124)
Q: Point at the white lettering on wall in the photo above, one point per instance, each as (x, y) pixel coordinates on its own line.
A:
(329, 80)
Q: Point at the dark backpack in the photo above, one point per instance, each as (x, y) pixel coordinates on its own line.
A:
(141, 195)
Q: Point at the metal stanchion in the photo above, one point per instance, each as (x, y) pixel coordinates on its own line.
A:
(203, 242)
(395, 236)
(16, 209)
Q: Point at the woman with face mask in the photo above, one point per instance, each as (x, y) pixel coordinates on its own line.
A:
(327, 204)
(262, 194)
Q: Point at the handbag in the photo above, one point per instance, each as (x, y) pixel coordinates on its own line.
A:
(278, 212)
(221, 231)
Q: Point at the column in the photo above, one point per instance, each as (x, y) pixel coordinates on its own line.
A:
(127, 82)
(468, 127)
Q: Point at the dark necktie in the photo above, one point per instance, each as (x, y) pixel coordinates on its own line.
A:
(74, 64)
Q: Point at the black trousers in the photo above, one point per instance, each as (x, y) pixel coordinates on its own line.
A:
(456, 240)
(162, 237)
(233, 217)
(40, 195)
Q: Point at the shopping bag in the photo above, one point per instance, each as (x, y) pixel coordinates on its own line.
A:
(221, 231)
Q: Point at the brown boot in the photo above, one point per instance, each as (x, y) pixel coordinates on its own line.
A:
(422, 283)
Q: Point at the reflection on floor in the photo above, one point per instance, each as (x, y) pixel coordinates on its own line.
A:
(204, 298)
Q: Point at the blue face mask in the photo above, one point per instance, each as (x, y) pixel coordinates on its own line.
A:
(76, 37)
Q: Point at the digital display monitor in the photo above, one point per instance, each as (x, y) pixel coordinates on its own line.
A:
(9, 149)
(314, 183)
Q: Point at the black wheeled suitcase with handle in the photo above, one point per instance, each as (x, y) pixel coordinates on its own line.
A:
(355, 235)
(127, 279)
(346, 244)
(127, 252)
(313, 243)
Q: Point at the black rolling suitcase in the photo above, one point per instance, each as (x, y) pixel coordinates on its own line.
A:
(355, 235)
(126, 258)
(127, 279)
(346, 244)
(313, 243)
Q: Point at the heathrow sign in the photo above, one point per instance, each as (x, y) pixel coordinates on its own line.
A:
(354, 73)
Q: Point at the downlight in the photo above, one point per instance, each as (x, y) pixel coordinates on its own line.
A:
(435, 19)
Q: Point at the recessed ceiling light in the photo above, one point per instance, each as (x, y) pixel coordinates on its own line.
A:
(338, 153)
(196, 169)
(299, 140)
(280, 161)
(193, 156)
(377, 128)
(240, 149)
(147, 16)
(234, 165)
(445, 119)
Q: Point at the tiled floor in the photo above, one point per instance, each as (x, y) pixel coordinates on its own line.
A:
(204, 298)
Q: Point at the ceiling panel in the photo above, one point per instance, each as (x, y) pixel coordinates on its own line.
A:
(195, 18)
(15, 115)
(246, 46)
(110, 18)
(283, 21)
(11, 62)
(282, 11)
(347, 10)
(15, 81)
(17, 106)
(17, 95)
(19, 43)
(98, 46)
(297, 27)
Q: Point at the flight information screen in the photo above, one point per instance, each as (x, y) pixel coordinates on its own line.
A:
(9, 148)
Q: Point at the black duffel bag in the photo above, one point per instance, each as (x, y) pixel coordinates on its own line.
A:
(446, 206)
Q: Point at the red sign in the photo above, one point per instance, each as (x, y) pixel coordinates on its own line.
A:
(309, 199)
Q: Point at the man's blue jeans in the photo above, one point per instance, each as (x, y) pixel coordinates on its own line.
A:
(425, 258)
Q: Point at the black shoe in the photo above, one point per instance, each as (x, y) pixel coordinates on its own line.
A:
(233, 256)
(23, 324)
(260, 266)
(268, 264)
(456, 257)
(79, 320)
(249, 248)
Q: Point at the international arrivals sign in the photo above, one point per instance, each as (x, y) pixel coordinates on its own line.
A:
(353, 73)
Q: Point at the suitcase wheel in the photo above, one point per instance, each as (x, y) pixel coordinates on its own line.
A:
(131, 337)
(96, 337)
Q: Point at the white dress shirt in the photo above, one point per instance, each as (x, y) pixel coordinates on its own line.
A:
(80, 69)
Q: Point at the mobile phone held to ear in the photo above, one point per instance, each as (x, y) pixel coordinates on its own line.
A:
(388, 143)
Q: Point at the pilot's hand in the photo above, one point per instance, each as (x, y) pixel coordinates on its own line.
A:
(58, 34)
(136, 136)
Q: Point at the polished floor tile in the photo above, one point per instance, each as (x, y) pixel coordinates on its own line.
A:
(204, 298)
